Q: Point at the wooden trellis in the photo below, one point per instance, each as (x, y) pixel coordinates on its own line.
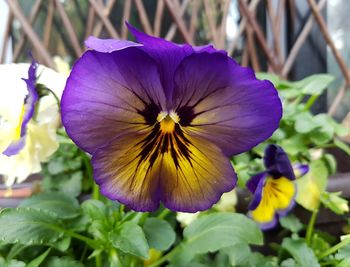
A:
(180, 20)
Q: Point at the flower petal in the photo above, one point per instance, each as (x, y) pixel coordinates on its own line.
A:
(253, 182)
(27, 112)
(167, 55)
(109, 93)
(185, 173)
(108, 45)
(300, 169)
(224, 102)
(277, 163)
(255, 185)
(277, 198)
(200, 180)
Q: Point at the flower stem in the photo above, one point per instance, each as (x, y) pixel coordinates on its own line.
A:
(310, 226)
(336, 247)
(163, 214)
(165, 258)
(88, 168)
(310, 102)
(95, 195)
(92, 243)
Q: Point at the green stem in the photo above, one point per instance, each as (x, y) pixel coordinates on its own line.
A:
(310, 102)
(83, 254)
(88, 168)
(92, 243)
(298, 99)
(55, 96)
(114, 259)
(95, 191)
(164, 213)
(165, 258)
(310, 227)
(95, 195)
(336, 247)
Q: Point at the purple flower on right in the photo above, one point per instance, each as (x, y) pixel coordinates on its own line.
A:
(274, 189)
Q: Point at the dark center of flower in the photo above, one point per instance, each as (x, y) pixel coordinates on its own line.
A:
(166, 137)
(167, 121)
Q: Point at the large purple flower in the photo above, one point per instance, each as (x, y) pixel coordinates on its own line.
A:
(161, 120)
(274, 189)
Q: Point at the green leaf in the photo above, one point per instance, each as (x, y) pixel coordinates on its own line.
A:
(238, 254)
(324, 131)
(339, 129)
(11, 263)
(15, 250)
(59, 204)
(302, 254)
(130, 238)
(71, 186)
(289, 263)
(343, 146)
(335, 202)
(343, 253)
(268, 76)
(292, 223)
(55, 167)
(63, 262)
(288, 93)
(344, 263)
(62, 244)
(215, 231)
(29, 226)
(315, 84)
(311, 185)
(318, 244)
(99, 229)
(159, 233)
(294, 145)
(304, 122)
(95, 209)
(38, 260)
(258, 260)
(330, 162)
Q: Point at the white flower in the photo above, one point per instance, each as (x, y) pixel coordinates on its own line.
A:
(185, 218)
(40, 138)
(227, 202)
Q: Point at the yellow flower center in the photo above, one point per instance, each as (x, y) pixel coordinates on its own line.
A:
(167, 121)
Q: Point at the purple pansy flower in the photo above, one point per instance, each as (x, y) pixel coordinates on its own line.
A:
(161, 120)
(27, 113)
(274, 189)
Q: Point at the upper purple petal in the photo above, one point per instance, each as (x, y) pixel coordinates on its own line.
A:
(257, 183)
(224, 102)
(253, 181)
(167, 55)
(109, 93)
(277, 163)
(208, 48)
(108, 45)
(15, 147)
(29, 106)
(300, 169)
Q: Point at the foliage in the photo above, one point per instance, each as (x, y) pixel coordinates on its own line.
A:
(59, 227)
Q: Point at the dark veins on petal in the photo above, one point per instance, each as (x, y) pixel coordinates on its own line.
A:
(150, 113)
(186, 115)
(159, 142)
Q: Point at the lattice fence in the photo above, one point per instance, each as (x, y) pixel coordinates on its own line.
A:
(55, 27)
